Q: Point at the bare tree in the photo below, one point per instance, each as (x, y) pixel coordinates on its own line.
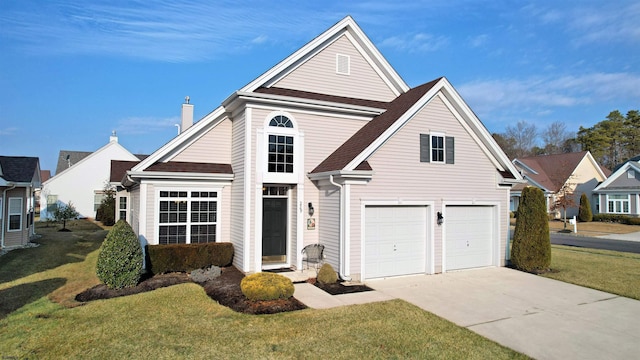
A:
(523, 135)
(555, 137)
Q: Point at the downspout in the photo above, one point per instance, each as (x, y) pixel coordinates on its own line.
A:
(4, 215)
(341, 271)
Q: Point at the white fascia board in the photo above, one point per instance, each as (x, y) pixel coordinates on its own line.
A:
(177, 141)
(630, 165)
(137, 176)
(281, 100)
(344, 26)
(478, 128)
(3, 182)
(342, 176)
(91, 156)
(523, 165)
(426, 98)
(594, 163)
(529, 180)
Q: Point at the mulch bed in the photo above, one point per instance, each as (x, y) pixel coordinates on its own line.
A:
(225, 289)
(339, 288)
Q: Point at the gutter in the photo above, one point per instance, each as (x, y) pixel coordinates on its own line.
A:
(4, 216)
(343, 248)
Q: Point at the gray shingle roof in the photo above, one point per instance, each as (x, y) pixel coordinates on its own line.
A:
(18, 168)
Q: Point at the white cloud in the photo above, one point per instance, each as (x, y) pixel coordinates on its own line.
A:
(146, 125)
(8, 131)
(540, 95)
(478, 40)
(419, 42)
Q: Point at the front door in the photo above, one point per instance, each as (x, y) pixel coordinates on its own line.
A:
(274, 230)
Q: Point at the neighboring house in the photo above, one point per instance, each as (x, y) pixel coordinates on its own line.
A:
(81, 178)
(559, 174)
(620, 193)
(19, 178)
(331, 146)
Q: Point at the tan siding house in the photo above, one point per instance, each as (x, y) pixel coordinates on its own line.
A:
(19, 179)
(330, 146)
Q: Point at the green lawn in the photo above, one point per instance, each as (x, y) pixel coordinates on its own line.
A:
(183, 322)
(610, 271)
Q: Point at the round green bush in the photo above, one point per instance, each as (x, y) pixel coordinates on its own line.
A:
(327, 275)
(266, 286)
(120, 259)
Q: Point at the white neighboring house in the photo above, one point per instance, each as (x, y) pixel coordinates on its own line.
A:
(83, 183)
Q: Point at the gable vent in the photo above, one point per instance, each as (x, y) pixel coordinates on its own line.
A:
(343, 64)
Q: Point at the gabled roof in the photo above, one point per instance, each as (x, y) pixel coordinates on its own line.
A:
(19, 169)
(357, 149)
(364, 137)
(631, 164)
(68, 158)
(551, 172)
(345, 26)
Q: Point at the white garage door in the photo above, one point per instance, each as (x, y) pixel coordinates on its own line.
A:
(469, 236)
(395, 240)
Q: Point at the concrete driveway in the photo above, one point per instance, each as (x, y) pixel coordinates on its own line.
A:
(543, 318)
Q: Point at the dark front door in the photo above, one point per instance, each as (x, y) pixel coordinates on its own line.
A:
(274, 230)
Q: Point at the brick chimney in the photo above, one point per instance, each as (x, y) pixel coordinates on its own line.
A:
(187, 115)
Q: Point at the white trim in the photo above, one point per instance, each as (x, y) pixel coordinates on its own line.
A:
(343, 60)
(429, 243)
(19, 213)
(345, 26)
(248, 191)
(622, 170)
(188, 189)
(444, 147)
(628, 201)
(262, 154)
(495, 246)
(142, 215)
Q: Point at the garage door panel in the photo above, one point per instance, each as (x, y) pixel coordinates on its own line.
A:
(469, 236)
(395, 240)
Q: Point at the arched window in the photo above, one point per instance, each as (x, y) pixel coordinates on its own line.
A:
(281, 121)
(280, 147)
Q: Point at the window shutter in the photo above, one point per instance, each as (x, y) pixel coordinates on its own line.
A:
(425, 147)
(450, 149)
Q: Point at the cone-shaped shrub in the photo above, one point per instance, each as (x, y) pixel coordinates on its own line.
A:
(120, 258)
(531, 248)
(584, 213)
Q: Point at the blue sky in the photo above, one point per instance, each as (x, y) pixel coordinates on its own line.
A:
(73, 71)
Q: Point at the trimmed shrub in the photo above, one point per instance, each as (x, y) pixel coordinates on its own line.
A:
(327, 275)
(584, 212)
(204, 275)
(188, 257)
(633, 221)
(120, 259)
(266, 286)
(531, 248)
(618, 218)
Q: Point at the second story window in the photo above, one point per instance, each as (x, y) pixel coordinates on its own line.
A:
(280, 147)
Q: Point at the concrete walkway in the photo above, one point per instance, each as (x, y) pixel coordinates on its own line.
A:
(634, 236)
(543, 318)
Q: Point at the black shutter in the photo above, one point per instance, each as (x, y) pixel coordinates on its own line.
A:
(425, 147)
(450, 150)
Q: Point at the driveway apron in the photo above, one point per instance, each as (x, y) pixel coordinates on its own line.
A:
(540, 317)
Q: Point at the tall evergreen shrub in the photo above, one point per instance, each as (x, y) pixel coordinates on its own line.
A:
(584, 213)
(531, 248)
(120, 258)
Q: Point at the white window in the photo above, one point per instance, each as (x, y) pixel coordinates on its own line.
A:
(52, 203)
(187, 217)
(618, 204)
(15, 214)
(122, 208)
(437, 148)
(98, 196)
(631, 174)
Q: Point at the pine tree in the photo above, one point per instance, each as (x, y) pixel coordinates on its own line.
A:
(584, 213)
(531, 249)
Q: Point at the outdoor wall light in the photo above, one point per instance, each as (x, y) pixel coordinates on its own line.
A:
(440, 218)
(311, 209)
